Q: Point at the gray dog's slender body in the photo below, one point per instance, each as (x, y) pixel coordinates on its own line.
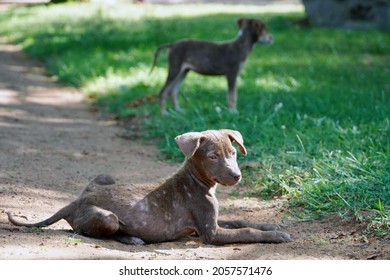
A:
(211, 58)
(185, 203)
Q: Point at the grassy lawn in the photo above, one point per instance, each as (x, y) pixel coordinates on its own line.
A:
(314, 107)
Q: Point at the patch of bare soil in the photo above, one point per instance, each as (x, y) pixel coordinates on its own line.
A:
(51, 145)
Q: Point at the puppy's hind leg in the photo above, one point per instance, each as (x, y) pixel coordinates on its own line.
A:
(128, 239)
(95, 222)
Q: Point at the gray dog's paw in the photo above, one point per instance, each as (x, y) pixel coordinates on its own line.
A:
(234, 111)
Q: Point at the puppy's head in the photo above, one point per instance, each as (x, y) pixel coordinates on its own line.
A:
(257, 28)
(211, 155)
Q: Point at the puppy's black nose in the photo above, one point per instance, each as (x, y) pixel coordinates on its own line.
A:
(236, 176)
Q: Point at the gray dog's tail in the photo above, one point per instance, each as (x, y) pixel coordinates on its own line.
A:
(61, 214)
(166, 46)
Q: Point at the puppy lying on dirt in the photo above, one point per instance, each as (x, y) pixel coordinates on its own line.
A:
(185, 203)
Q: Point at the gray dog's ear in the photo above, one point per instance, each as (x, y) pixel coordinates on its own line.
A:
(189, 142)
(240, 22)
(235, 136)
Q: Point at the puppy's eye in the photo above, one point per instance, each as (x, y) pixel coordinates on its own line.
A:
(233, 153)
(213, 156)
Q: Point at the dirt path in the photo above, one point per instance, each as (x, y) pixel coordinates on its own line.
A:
(51, 145)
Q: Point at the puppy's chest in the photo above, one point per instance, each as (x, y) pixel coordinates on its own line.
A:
(212, 199)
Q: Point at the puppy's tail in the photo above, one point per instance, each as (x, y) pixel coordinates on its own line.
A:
(166, 46)
(61, 214)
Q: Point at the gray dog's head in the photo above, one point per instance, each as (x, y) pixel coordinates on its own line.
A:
(258, 29)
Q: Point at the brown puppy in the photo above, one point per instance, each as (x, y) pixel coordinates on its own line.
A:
(185, 203)
(211, 58)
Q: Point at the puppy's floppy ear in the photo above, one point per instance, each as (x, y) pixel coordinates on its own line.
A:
(189, 142)
(235, 136)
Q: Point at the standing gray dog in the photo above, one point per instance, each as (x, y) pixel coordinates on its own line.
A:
(185, 203)
(211, 58)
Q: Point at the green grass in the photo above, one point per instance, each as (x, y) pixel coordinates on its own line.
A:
(314, 106)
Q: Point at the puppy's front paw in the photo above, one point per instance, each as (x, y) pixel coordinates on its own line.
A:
(276, 237)
(285, 237)
(269, 227)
